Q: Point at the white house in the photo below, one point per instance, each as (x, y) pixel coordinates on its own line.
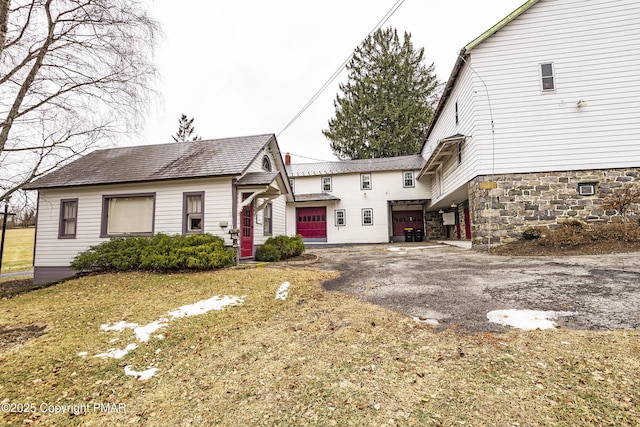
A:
(179, 188)
(357, 201)
(539, 119)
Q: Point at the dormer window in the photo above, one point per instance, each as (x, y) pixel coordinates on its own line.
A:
(266, 163)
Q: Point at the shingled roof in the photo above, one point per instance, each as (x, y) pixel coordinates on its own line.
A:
(351, 166)
(215, 157)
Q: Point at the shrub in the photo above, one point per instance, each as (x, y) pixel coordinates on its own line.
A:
(567, 235)
(288, 247)
(158, 253)
(268, 252)
(531, 233)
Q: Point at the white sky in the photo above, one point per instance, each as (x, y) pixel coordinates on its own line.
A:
(248, 66)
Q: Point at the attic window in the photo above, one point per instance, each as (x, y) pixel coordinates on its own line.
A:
(266, 163)
(548, 77)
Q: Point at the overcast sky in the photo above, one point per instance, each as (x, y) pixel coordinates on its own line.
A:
(247, 67)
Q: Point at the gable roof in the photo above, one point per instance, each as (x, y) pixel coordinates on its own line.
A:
(196, 159)
(461, 60)
(353, 166)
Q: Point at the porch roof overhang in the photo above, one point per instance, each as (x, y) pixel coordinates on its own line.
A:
(263, 183)
(315, 197)
(443, 151)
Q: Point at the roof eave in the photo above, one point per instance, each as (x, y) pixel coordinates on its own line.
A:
(497, 27)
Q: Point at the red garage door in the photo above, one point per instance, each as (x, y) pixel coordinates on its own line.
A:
(312, 223)
(402, 219)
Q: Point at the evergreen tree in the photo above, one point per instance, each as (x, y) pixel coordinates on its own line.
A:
(185, 130)
(387, 102)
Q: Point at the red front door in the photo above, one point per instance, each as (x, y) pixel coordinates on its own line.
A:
(312, 222)
(246, 230)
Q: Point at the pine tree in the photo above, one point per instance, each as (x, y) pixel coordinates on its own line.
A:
(387, 102)
(185, 130)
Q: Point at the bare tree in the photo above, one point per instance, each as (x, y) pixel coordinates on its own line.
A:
(622, 200)
(73, 74)
(4, 15)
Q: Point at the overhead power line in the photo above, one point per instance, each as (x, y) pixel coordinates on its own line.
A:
(336, 73)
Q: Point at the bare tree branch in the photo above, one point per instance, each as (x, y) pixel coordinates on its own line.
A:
(78, 70)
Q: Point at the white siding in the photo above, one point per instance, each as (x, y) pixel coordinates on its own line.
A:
(592, 45)
(256, 165)
(385, 187)
(54, 252)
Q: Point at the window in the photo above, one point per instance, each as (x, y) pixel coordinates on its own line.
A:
(326, 183)
(459, 152)
(267, 219)
(367, 216)
(407, 179)
(128, 214)
(457, 119)
(192, 213)
(547, 75)
(68, 218)
(292, 184)
(341, 218)
(365, 181)
(587, 188)
(266, 163)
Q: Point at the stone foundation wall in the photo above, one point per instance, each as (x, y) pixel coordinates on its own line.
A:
(503, 205)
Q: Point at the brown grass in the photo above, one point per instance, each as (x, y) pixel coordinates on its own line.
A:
(315, 359)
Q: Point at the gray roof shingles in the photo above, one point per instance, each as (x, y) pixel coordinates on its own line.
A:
(354, 166)
(217, 157)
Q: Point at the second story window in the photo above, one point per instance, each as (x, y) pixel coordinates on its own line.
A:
(407, 179)
(365, 181)
(326, 184)
(547, 76)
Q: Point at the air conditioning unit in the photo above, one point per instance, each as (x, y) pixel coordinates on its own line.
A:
(586, 189)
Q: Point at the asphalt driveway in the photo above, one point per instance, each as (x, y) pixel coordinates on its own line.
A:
(457, 286)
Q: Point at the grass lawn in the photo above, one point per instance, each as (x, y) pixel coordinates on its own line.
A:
(18, 250)
(315, 358)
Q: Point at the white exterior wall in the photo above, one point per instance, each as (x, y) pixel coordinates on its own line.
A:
(592, 45)
(385, 186)
(54, 252)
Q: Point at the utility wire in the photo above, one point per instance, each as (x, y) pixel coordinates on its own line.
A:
(336, 73)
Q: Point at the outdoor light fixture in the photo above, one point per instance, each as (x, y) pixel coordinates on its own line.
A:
(453, 205)
(440, 211)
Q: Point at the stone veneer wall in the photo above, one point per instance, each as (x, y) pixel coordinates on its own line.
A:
(540, 199)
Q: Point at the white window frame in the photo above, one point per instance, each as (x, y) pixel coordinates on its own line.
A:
(327, 186)
(405, 174)
(365, 178)
(587, 188)
(543, 77)
(292, 184)
(187, 215)
(340, 217)
(267, 220)
(367, 216)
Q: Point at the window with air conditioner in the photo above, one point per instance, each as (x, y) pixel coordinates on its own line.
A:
(587, 188)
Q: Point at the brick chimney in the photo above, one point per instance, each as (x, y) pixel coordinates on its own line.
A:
(287, 159)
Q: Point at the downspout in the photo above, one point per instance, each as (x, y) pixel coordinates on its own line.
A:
(234, 203)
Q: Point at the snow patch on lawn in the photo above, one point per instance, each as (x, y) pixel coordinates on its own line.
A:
(409, 248)
(427, 321)
(117, 354)
(140, 375)
(527, 320)
(201, 307)
(144, 333)
(283, 291)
